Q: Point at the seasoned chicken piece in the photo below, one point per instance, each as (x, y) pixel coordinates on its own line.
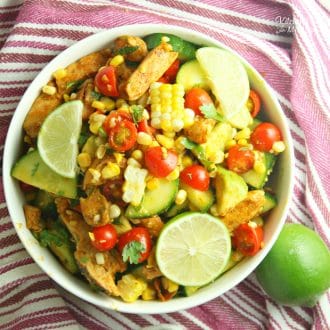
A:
(200, 130)
(246, 210)
(102, 275)
(150, 70)
(133, 48)
(41, 107)
(153, 224)
(44, 104)
(33, 218)
(85, 95)
(84, 68)
(95, 209)
(151, 270)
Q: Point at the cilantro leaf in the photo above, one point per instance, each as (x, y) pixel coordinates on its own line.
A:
(126, 50)
(132, 252)
(74, 86)
(96, 95)
(137, 113)
(209, 111)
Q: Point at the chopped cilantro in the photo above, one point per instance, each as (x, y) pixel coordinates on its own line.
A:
(137, 113)
(132, 252)
(188, 144)
(96, 95)
(84, 259)
(211, 112)
(74, 86)
(126, 50)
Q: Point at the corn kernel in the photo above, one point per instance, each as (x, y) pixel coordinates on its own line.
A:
(169, 134)
(60, 73)
(96, 175)
(98, 105)
(114, 211)
(278, 146)
(259, 167)
(119, 157)
(109, 104)
(242, 142)
(165, 39)
(154, 143)
(178, 144)
(169, 285)
(66, 97)
(131, 287)
(181, 197)
(49, 90)
(137, 155)
(174, 174)
(230, 144)
(214, 210)
(100, 151)
(117, 60)
(177, 125)
(149, 293)
(186, 161)
(84, 159)
(243, 134)
(120, 103)
(153, 183)
(155, 122)
(111, 170)
(133, 162)
(165, 125)
(144, 138)
(165, 141)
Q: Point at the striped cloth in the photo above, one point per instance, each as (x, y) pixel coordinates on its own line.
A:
(287, 41)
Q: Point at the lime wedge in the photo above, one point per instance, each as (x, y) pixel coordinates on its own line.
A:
(228, 80)
(193, 249)
(58, 138)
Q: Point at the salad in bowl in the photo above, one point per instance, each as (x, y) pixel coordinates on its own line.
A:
(146, 167)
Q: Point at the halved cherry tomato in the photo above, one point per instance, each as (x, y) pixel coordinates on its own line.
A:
(196, 176)
(106, 81)
(195, 98)
(135, 245)
(144, 127)
(247, 239)
(240, 159)
(160, 163)
(254, 103)
(170, 74)
(104, 237)
(114, 118)
(123, 136)
(264, 136)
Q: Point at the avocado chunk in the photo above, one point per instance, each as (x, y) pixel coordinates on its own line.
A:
(230, 190)
(32, 170)
(219, 136)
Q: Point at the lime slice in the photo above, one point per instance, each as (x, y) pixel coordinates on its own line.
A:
(228, 80)
(58, 138)
(193, 249)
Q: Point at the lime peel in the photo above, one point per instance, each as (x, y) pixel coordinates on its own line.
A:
(58, 138)
(193, 249)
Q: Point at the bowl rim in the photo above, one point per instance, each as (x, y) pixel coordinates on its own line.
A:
(10, 187)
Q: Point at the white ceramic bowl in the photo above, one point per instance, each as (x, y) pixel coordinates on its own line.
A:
(282, 179)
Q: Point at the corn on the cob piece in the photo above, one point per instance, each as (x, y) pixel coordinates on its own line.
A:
(167, 107)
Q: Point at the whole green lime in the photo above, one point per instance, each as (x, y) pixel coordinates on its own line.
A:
(296, 271)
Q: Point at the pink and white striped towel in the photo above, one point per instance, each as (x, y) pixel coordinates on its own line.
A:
(286, 40)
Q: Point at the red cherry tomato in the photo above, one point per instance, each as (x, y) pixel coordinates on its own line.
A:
(106, 81)
(123, 136)
(240, 159)
(170, 74)
(247, 240)
(264, 136)
(114, 118)
(105, 237)
(195, 98)
(143, 126)
(196, 176)
(159, 163)
(135, 245)
(254, 103)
